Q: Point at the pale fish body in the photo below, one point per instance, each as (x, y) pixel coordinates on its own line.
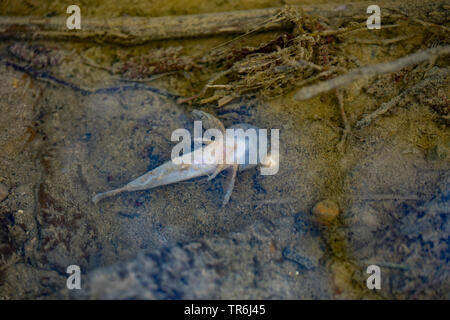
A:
(204, 162)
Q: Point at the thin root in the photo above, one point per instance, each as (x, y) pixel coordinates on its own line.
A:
(370, 71)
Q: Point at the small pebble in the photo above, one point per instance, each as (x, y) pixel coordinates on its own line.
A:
(340, 277)
(3, 192)
(272, 246)
(302, 260)
(326, 211)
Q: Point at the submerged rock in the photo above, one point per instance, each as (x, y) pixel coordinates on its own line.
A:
(401, 224)
(244, 265)
(326, 211)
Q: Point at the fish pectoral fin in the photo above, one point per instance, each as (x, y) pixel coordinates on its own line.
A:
(229, 183)
(208, 120)
(103, 195)
(219, 169)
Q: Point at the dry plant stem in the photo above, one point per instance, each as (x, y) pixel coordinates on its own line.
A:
(138, 30)
(401, 99)
(370, 71)
(384, 42)
(205, 88)
(340, 97)
(421, 22)
(341, 31)
(385, 107)
(91, 63)
(276, 19)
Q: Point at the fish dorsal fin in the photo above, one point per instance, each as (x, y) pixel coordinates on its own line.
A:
(208, 120)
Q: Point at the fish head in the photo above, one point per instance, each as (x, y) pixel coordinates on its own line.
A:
(249, 156)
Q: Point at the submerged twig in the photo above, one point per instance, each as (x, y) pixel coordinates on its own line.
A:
(385, 107)
(276, 19)
(359, 27)
(137, 30)
(419, 21)
(382, 42)
(340, 97)
(370, 71)
(46, 77)
(404, 97)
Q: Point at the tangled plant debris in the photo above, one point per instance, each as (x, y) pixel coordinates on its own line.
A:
(156, 61)
(36, 55)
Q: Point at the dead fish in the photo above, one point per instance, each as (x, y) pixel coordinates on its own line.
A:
(172, 172)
